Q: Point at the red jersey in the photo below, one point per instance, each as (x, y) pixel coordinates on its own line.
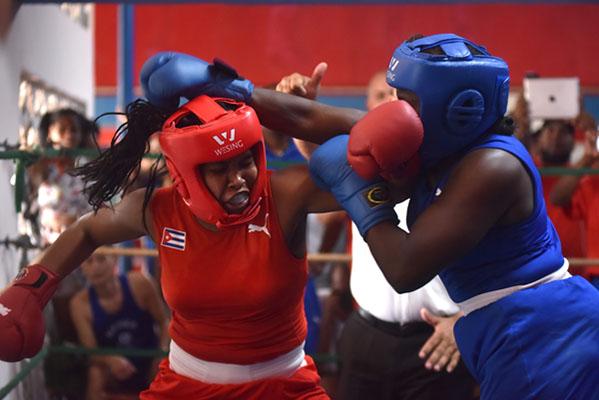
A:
(585, 204)
(236, 295)
(569, 225)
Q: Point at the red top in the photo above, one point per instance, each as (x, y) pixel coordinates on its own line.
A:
(236, 295)
(585, 205)
(570, 226)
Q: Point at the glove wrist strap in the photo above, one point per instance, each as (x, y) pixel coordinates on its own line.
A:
(40, 280)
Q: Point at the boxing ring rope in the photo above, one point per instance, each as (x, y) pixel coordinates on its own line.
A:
(28, 366)
(147, 252)
(314, 257)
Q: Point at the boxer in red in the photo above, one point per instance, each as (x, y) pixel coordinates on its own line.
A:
(231, 239)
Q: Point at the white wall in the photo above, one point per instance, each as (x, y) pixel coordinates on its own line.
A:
(45, 42)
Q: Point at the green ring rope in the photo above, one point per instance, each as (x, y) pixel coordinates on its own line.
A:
(22, 374)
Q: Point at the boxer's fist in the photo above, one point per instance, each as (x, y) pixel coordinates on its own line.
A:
(21, 305)
(385, 142)
(367, 202)
(167, 76)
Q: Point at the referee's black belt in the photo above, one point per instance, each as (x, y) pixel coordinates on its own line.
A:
(394, 328)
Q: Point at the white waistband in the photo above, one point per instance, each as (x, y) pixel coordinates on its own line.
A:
(192, 367)
(484, 299)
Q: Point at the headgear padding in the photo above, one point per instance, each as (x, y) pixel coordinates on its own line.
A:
(462, 90)
(222, 135)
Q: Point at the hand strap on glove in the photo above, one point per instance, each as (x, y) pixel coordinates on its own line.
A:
(221, 66)
(40, 280)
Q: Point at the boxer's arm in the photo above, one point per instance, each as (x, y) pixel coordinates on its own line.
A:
(296, 195)
(368, 202)
(295, 188)
(302, 118)
(484, 187)
(167, 76)
(107, 226)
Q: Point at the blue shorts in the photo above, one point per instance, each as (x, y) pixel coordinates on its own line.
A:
(537, 343)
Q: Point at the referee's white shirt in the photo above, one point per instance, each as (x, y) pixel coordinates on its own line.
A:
(374, 294)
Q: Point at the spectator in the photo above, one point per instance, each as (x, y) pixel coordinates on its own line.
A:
(578, 195)
(521, 117)
(118, 311)
(50, 185)
(524, 126)
(553, 145)
(56, 197)
(66, 129)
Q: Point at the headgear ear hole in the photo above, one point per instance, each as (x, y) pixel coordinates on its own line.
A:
(465, 111)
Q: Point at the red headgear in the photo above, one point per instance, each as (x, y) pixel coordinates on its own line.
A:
(223, 134)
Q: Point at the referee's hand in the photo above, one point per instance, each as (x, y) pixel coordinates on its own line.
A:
(440, 350)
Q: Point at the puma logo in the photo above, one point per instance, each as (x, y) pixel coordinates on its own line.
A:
(258, 228)
(4, 310)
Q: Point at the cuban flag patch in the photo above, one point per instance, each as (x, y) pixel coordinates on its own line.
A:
(173, 239)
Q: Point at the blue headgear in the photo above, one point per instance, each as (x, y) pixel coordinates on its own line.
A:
(462, 93)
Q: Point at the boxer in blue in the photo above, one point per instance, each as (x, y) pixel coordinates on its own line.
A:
(477, 216)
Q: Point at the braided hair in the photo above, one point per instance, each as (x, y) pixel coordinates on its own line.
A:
(115, 169)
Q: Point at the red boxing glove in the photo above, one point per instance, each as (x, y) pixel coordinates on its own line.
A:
(385, 142)
(21, 305)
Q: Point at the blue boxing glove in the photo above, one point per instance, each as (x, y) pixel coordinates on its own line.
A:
(367, 202)
(167, 76)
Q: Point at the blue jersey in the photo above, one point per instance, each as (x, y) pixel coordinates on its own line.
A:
(537, 343)
(507, 255)
(291, 156)
(129, 327)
